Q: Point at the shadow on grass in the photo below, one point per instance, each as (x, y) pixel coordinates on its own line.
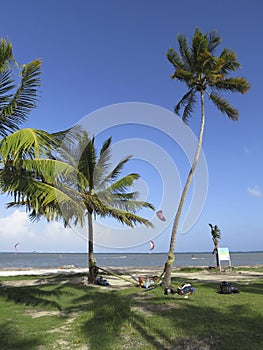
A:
(31, 295)
(253, 288)
(11, 339)
(159, 322)
(131, 318)
(203, 327)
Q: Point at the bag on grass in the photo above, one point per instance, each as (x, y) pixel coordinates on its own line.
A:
(227, 288)
(169, 290)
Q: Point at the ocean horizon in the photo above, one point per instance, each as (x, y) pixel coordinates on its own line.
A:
(57, 259)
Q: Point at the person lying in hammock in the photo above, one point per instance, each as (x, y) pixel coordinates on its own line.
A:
(148, 282)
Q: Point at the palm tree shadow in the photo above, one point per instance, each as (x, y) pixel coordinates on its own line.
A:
(113, 311)
(108, 317)
(11, 339)
(105, 316)
(110, 313)
(32, 295)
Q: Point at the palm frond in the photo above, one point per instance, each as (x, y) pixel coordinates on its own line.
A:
(47, 200)
(49, 169)
(224, 106)
(233, 84)
(182, 75)
(187, 102)
(228, 61)
(63, 136)
(185, 52)
(199, 44)
(175, 59)
(19, 104)
(125, 217)
(68, 153)
(213, 41)
(70, 143)
(6, 54)
(116, 199)
(25, 143)
(113, 175)
(6, 86)
(124, 183)
(130, 204)
(189, 108)
(87, 162)
(103, 164)
(207, 65)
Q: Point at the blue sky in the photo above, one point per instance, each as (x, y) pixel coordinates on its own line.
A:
(97, 54)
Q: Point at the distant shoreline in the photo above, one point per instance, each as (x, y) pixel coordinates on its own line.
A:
(25, 261)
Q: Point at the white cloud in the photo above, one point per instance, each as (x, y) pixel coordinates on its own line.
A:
(255, 191)
(54, 237)
(15, 225)
(39, 236)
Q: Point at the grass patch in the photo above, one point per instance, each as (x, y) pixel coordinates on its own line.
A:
(192, 269)
(41, 277)
(248, 268)
(20, 278)
(71, 316)
(214, 270)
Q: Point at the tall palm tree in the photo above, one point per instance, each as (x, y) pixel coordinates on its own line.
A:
(204, 74)
(216, 235)
(102, 191)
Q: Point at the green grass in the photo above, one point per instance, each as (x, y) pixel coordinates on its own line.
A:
(192, 269)
(214, 270)
(251, 269)
(42, 277)
(20, 278)
(71, 316)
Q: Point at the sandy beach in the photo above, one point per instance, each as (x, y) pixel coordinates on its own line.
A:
(125, 277)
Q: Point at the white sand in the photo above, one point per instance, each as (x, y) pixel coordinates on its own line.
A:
(39, 271)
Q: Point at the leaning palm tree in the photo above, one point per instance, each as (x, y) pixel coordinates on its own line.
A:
(101, 189)
(216, 235)
(204, 74)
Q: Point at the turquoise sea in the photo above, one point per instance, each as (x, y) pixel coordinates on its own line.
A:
(54, 260)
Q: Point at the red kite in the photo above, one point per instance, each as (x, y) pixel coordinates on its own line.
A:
(160, 215)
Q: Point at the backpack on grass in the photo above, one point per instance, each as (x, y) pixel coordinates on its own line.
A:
(227, 288)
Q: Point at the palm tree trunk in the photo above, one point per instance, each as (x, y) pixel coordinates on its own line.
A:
(217, 256)
(169, 263)
(93, 270)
